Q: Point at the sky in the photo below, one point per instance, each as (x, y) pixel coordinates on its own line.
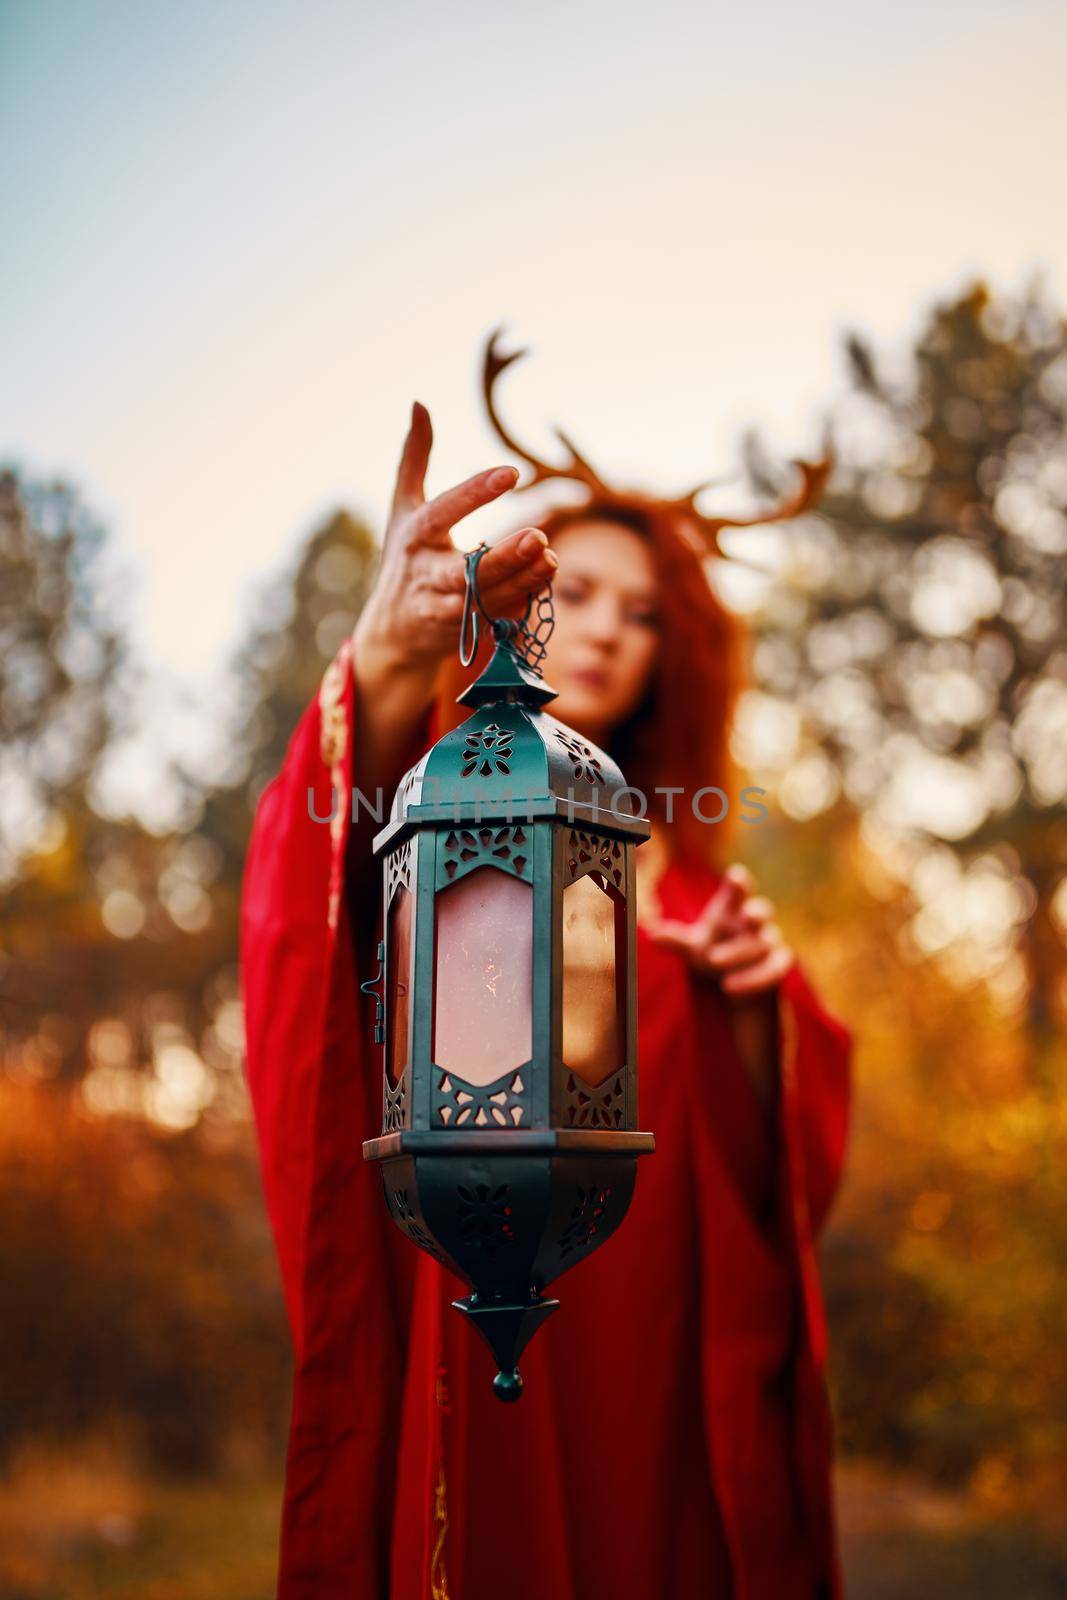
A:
(240, 237)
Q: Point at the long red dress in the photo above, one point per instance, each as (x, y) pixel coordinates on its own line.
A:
(674, 1435)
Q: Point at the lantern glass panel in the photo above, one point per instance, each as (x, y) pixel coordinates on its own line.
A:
(483, 988)
(594, 979)
(399, 982)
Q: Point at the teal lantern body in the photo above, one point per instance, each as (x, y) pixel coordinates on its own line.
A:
(510, 1133)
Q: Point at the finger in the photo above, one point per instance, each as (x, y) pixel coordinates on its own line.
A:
(741, 876)
(437, 517)
(732, 918)
(520, 566)
(671, 934)
(743, 948)
(513, 599)
(764, 975)
(504, 561)
(414, 459)
(717, 908)
(756, 910)
(514, 570)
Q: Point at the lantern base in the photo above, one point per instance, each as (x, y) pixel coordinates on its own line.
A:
(507, 1141)
(507, 1329)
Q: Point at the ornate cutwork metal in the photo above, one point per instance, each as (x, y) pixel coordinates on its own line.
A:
(407, 784)
(396, 1104)
(598, 854)
(488, 751)
(408, 1219)
(466, 848)
(398, 868)
(584, 760)
(485, 1217)
(586, 1105)
(502, 1104)
(586, 1219)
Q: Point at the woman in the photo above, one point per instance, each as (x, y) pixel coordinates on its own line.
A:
(674, 1437)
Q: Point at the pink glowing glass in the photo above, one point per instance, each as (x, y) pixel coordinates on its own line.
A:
(483, 975)
(399, 982)
(594, 979)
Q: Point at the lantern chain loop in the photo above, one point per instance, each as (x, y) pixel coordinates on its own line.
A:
(529, 643)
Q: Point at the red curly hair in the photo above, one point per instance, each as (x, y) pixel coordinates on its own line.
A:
(678, 736)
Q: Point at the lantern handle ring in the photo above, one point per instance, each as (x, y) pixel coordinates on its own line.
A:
(468, 628)
(529, 644)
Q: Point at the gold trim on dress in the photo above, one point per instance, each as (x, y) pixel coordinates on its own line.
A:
(333, 721)
(438, 1572)
(333, 745)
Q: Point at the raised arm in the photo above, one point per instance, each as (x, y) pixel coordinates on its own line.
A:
(410, 622)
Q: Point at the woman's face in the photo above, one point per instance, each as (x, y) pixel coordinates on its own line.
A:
(603, 647)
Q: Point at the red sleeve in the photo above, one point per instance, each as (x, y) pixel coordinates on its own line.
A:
(813, 1103)
(316, 1094)
(286, 949)
(790, 1169)
(786, 1172)
(815, 1051)
(813, 1100)
(814, 1074)
(814, 1059)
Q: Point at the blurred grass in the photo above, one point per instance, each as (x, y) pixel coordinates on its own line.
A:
(81, 1530)
(997, 1563)
(75, 1530)
(903, 1539)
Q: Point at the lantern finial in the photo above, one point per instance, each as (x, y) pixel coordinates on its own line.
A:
(507, 1329)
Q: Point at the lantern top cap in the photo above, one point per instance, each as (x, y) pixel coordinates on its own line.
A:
(507, 676)
(512, 753)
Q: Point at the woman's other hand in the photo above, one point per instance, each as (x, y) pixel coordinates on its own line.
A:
(734, 941)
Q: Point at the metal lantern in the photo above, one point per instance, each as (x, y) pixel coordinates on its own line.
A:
(506, 996)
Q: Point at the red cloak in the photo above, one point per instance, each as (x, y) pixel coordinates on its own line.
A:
(674, 1436)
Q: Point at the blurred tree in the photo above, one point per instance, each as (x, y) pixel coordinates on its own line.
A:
(106, 934)
(120, 1030)
(57, 662)
(914, 653)
(139, 1286)
(118, 946)
(58, 697)
(303, 619)
(910, 663)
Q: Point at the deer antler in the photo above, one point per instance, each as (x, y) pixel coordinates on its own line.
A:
(813, 474)
(576, 470)
(813, 480)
